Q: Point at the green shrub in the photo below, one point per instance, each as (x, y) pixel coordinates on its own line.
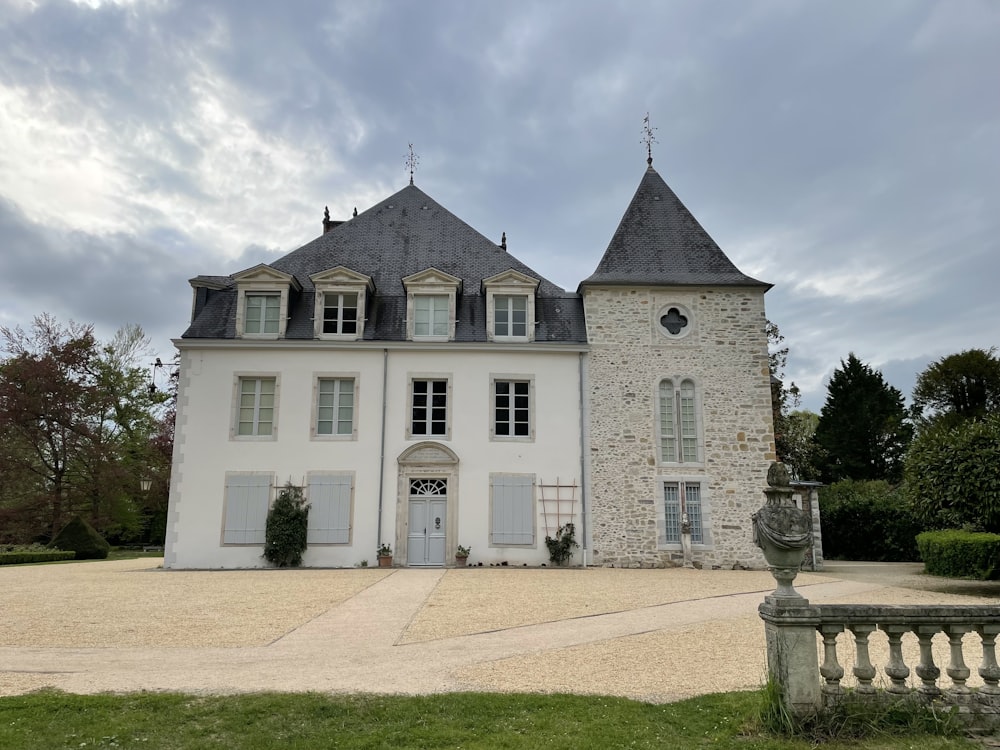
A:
(81, 538)
(561, 547)
(961, 554)
(868, 521)
(953, 475)
(287, 524)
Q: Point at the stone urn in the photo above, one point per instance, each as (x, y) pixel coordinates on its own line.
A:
(784, 533)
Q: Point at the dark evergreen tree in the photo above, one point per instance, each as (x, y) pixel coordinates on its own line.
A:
(863, 427)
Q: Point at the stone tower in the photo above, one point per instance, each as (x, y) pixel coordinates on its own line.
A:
(679, 400)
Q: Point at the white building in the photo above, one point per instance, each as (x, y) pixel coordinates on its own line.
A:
(428, 390)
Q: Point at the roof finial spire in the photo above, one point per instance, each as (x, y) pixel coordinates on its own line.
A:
(411, 162)
(648, 138)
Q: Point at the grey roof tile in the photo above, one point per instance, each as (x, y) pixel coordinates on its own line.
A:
(405, 233)
(660, 242)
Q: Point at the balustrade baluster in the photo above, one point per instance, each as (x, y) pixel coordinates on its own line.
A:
(957, 670)
(831, 669)
(896, 670)
(927, 671)
(989, 670)
(863, 669)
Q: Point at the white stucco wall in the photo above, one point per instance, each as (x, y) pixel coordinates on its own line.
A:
(205, 450)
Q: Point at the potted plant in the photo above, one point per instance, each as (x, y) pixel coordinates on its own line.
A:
(385, 556)
(462, 555)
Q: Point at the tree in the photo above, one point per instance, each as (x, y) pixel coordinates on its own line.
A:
(782, 398)
(960, 387)
(800, 450)
(862, 427)
(953, 474)
(76, 421)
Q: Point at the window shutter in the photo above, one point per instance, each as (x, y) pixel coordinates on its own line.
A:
(247, 498)
(329, 509)
(513, 510)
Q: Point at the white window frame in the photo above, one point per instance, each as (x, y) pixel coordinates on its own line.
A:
(238, 504)
(436, 317)
(505, 303)
(664, 523)
(428, 378)
(269, 302)
(334, 525)
(510, 284)
(338, 300)
(340, 281)
(342, 377)
(262, 280)
(234, 422)
(493, 399)
(431, 283)
(678, 419)
(504, 504)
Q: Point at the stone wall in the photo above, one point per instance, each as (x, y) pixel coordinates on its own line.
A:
(723, 349)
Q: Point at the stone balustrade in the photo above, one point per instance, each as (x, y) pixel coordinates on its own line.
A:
(788, 624)
(784, 532)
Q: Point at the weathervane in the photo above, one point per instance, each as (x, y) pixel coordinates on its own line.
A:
(411, 162)
(648, 138)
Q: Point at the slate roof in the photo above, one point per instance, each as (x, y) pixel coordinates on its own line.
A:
(659, 242)
(405, 233)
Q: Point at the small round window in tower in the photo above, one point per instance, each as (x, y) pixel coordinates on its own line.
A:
(675, 321)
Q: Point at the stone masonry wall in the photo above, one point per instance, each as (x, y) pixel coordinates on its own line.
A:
(724, 352)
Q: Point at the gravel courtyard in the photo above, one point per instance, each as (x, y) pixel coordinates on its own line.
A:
(656, 635)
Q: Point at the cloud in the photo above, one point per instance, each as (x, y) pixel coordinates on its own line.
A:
(847, 153)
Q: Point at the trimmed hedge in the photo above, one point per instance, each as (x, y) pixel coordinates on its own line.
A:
(961, 554)
(83, 539)
(868, 521)
(17, 558)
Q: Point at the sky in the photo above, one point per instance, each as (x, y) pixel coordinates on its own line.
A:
(846, 151)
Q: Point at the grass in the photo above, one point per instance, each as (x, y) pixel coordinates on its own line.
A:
(471, 721)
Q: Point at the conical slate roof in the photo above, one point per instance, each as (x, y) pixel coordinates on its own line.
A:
(659, 242)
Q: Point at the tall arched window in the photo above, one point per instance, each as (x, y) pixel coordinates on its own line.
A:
(678, 422)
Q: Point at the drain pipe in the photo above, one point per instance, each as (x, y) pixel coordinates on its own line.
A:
(584, 413)
(381, 457)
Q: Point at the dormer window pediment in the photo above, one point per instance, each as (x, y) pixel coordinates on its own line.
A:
(341, 301)
(262, 301)
(510, 306)
(431, 297)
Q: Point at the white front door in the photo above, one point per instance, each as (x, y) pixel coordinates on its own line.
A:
(425, 536)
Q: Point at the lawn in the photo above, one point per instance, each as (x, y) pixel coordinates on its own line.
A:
(51, 720)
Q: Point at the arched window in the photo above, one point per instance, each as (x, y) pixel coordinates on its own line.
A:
(678, 422)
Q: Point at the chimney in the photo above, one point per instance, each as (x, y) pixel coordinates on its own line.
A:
(327, 223)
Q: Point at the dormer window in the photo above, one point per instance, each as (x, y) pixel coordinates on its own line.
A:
(510, 306)
(341, 296)
(430, 315)
(340, 312)
(262, 313)
(430, 305)
(510, 317)
(262, 301)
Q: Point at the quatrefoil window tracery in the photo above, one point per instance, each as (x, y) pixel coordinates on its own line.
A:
(674, 321)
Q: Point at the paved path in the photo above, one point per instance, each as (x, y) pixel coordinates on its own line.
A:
(355, 646)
